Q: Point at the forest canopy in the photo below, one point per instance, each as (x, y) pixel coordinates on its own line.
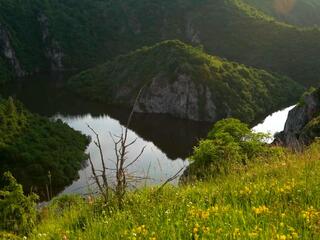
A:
(31, 146)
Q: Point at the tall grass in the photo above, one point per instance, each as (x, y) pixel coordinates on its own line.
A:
(271, 199)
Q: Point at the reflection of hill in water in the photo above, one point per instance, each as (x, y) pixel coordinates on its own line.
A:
(175, 137)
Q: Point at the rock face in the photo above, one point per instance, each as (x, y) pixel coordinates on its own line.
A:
(8, 51)
(297, 128)
(160, 95)
(53, 50)
(191, 33)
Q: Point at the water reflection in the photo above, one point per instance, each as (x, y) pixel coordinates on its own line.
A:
(45, 95)
(274, 122)
(168, 141)
(154, 165)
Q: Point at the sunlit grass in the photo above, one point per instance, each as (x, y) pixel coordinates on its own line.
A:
(274, 199)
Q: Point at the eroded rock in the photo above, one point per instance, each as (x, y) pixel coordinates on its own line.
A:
(7, 50)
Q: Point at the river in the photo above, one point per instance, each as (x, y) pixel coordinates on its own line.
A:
(167, 141)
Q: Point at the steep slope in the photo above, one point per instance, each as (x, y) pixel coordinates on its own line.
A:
(42, 35)
(185, 82)
(243, 34)
(32, 146)
(303, 123)
(297, 12)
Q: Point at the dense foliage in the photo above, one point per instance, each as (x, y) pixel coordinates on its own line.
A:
(297, 12)
(31, 146)
(276, 198)
(239, 91)
(312, 130)
(93, 31)
(229, 144)
(17, 211)
(5, 71)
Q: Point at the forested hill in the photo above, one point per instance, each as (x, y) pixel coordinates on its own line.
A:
(185, 82)
(38, 35)
(297, 12)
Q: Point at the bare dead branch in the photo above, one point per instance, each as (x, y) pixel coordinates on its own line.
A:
(121, 152)
(170, 179)
(104, 175)
(137, 158)
(95, 176)
(131, 143)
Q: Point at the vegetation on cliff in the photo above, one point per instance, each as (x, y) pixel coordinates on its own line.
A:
(236, 90)
(6, 73)
(302, 125)
(32, 146)
(312, 128)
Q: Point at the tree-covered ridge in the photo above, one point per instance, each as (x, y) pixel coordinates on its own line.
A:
(239, 91)
(256, 41)
(31, 146)
(297, 12)
(86, 32)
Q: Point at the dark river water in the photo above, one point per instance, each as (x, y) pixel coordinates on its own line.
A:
(168, 141)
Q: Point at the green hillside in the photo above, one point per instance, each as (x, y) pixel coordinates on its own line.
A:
(83, 33)
(31, 146)
(297, 12)
(236, 90)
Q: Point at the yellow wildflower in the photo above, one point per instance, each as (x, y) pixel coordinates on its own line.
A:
(282, 237)
(236, 233)
(205, 230)
(261, 210)
(310, 214)
(245, 191)
(253, 234)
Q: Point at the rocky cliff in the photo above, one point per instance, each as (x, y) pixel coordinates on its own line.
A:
(303, 123)
(181, 99)
(53, 51)
(8, 51)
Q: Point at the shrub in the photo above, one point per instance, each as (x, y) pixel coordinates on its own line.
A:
(17, 211)
(229, 143)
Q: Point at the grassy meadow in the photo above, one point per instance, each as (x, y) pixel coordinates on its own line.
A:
(276, 198)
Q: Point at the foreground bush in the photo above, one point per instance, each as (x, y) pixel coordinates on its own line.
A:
(229, 144)
(17, 211)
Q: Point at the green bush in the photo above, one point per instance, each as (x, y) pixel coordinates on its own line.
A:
(17, 211)
(230, 143)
